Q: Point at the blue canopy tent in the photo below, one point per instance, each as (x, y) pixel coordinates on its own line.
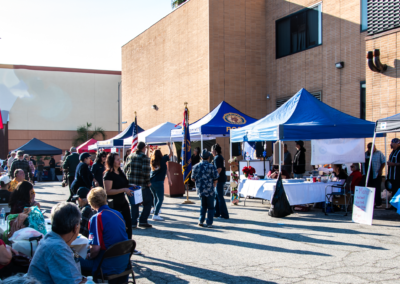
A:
(35, 147)
(218, 123)
(118, 141)
(303, 117)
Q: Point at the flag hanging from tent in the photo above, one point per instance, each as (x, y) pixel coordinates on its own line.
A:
(1, 121)
(186, 150)
(135, 136)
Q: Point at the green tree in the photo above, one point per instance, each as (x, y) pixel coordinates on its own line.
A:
(84, 133)
(176, 3)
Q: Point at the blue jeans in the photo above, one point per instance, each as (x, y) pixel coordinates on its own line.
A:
(40, 175)
(157, 188)
(89, 267)
(220, 204)
(147, 201)
(207, 203)
(53, 174)
(298, 175)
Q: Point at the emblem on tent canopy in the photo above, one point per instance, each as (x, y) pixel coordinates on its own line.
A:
(234, 118)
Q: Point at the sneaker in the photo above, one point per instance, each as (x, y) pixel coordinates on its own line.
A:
(209, 226)
(152, 211)
(134, 226)
(201, 225)
(157, 218)
(137, 252)
(145, 225)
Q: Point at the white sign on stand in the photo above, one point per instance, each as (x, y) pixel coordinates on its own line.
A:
(363, 207)
(113, 150)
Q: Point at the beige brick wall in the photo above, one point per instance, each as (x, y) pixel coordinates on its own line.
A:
(383, 89)
(167, 65)
(207, 51)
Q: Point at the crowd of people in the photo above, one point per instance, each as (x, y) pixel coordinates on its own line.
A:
(106, 211)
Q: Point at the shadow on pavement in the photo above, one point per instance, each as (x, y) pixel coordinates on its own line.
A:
(202, 273)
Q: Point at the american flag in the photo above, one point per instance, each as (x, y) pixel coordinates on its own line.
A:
(135, 136)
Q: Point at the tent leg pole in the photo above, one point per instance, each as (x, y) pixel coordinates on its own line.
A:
(370, 160)
(201, 138)
(230, 148)
(280, 158)
(386, 173)
(123, 153)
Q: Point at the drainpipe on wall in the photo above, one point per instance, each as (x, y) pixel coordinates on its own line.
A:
(119, 107)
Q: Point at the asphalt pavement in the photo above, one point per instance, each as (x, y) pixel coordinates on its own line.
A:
(251, 247)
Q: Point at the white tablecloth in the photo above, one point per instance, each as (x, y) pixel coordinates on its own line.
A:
(297, 193)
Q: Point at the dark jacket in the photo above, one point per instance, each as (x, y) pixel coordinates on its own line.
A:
(299, 161)
(98, 173)
(70, 164)
(83, 177)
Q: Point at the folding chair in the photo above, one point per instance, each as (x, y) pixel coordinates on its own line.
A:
(341, 196)
(119, 249)
(227, 183)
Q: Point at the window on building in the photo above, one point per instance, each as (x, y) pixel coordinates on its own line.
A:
(363, 106)
(364, 15)
(279, 102)
(299, 31)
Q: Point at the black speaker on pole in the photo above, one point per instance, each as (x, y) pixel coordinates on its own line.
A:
(260, 147)
(236, 149)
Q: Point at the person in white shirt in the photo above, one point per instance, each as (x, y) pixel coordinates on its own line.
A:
(11, 159)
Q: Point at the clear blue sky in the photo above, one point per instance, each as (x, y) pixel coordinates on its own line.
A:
(73, 33)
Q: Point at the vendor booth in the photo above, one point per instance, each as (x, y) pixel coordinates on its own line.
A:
(35, 147)
(161, 134)
(303, 117)
(386, 125)
(157, 135)
(218, 123)
(118, 140)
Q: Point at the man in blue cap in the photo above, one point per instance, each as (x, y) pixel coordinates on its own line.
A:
(205, 175)
(86, 210)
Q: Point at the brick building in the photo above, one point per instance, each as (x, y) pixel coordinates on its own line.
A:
(254, 54)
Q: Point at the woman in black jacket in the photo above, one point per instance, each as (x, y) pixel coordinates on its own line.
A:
(83, 176)
(98, 168)
(299, 160)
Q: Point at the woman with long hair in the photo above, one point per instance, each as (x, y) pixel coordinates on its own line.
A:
(98, 168)
(21, 197)
(221, 211)
(158, 164)
(195, 159)
(116, 184)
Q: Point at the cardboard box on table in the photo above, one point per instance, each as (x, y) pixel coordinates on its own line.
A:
(177, 189)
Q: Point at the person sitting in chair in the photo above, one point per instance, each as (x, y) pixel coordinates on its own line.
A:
(339, 173)
(274, 173)
(106, 228)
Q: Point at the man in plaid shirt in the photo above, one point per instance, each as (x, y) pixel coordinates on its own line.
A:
(20, 163)
(137, 170)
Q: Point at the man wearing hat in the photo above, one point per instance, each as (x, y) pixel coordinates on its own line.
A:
(22, 164)
(299, 160)
(394, 168)
(4, 193)
(205, 175)
(83, 176)
(86, 210)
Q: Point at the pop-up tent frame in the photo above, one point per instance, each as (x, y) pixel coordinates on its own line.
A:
(218, 123)
(303, 117)
(389, 124)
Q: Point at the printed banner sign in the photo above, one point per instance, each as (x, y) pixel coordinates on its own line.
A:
(363, 207)
(337, 151)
